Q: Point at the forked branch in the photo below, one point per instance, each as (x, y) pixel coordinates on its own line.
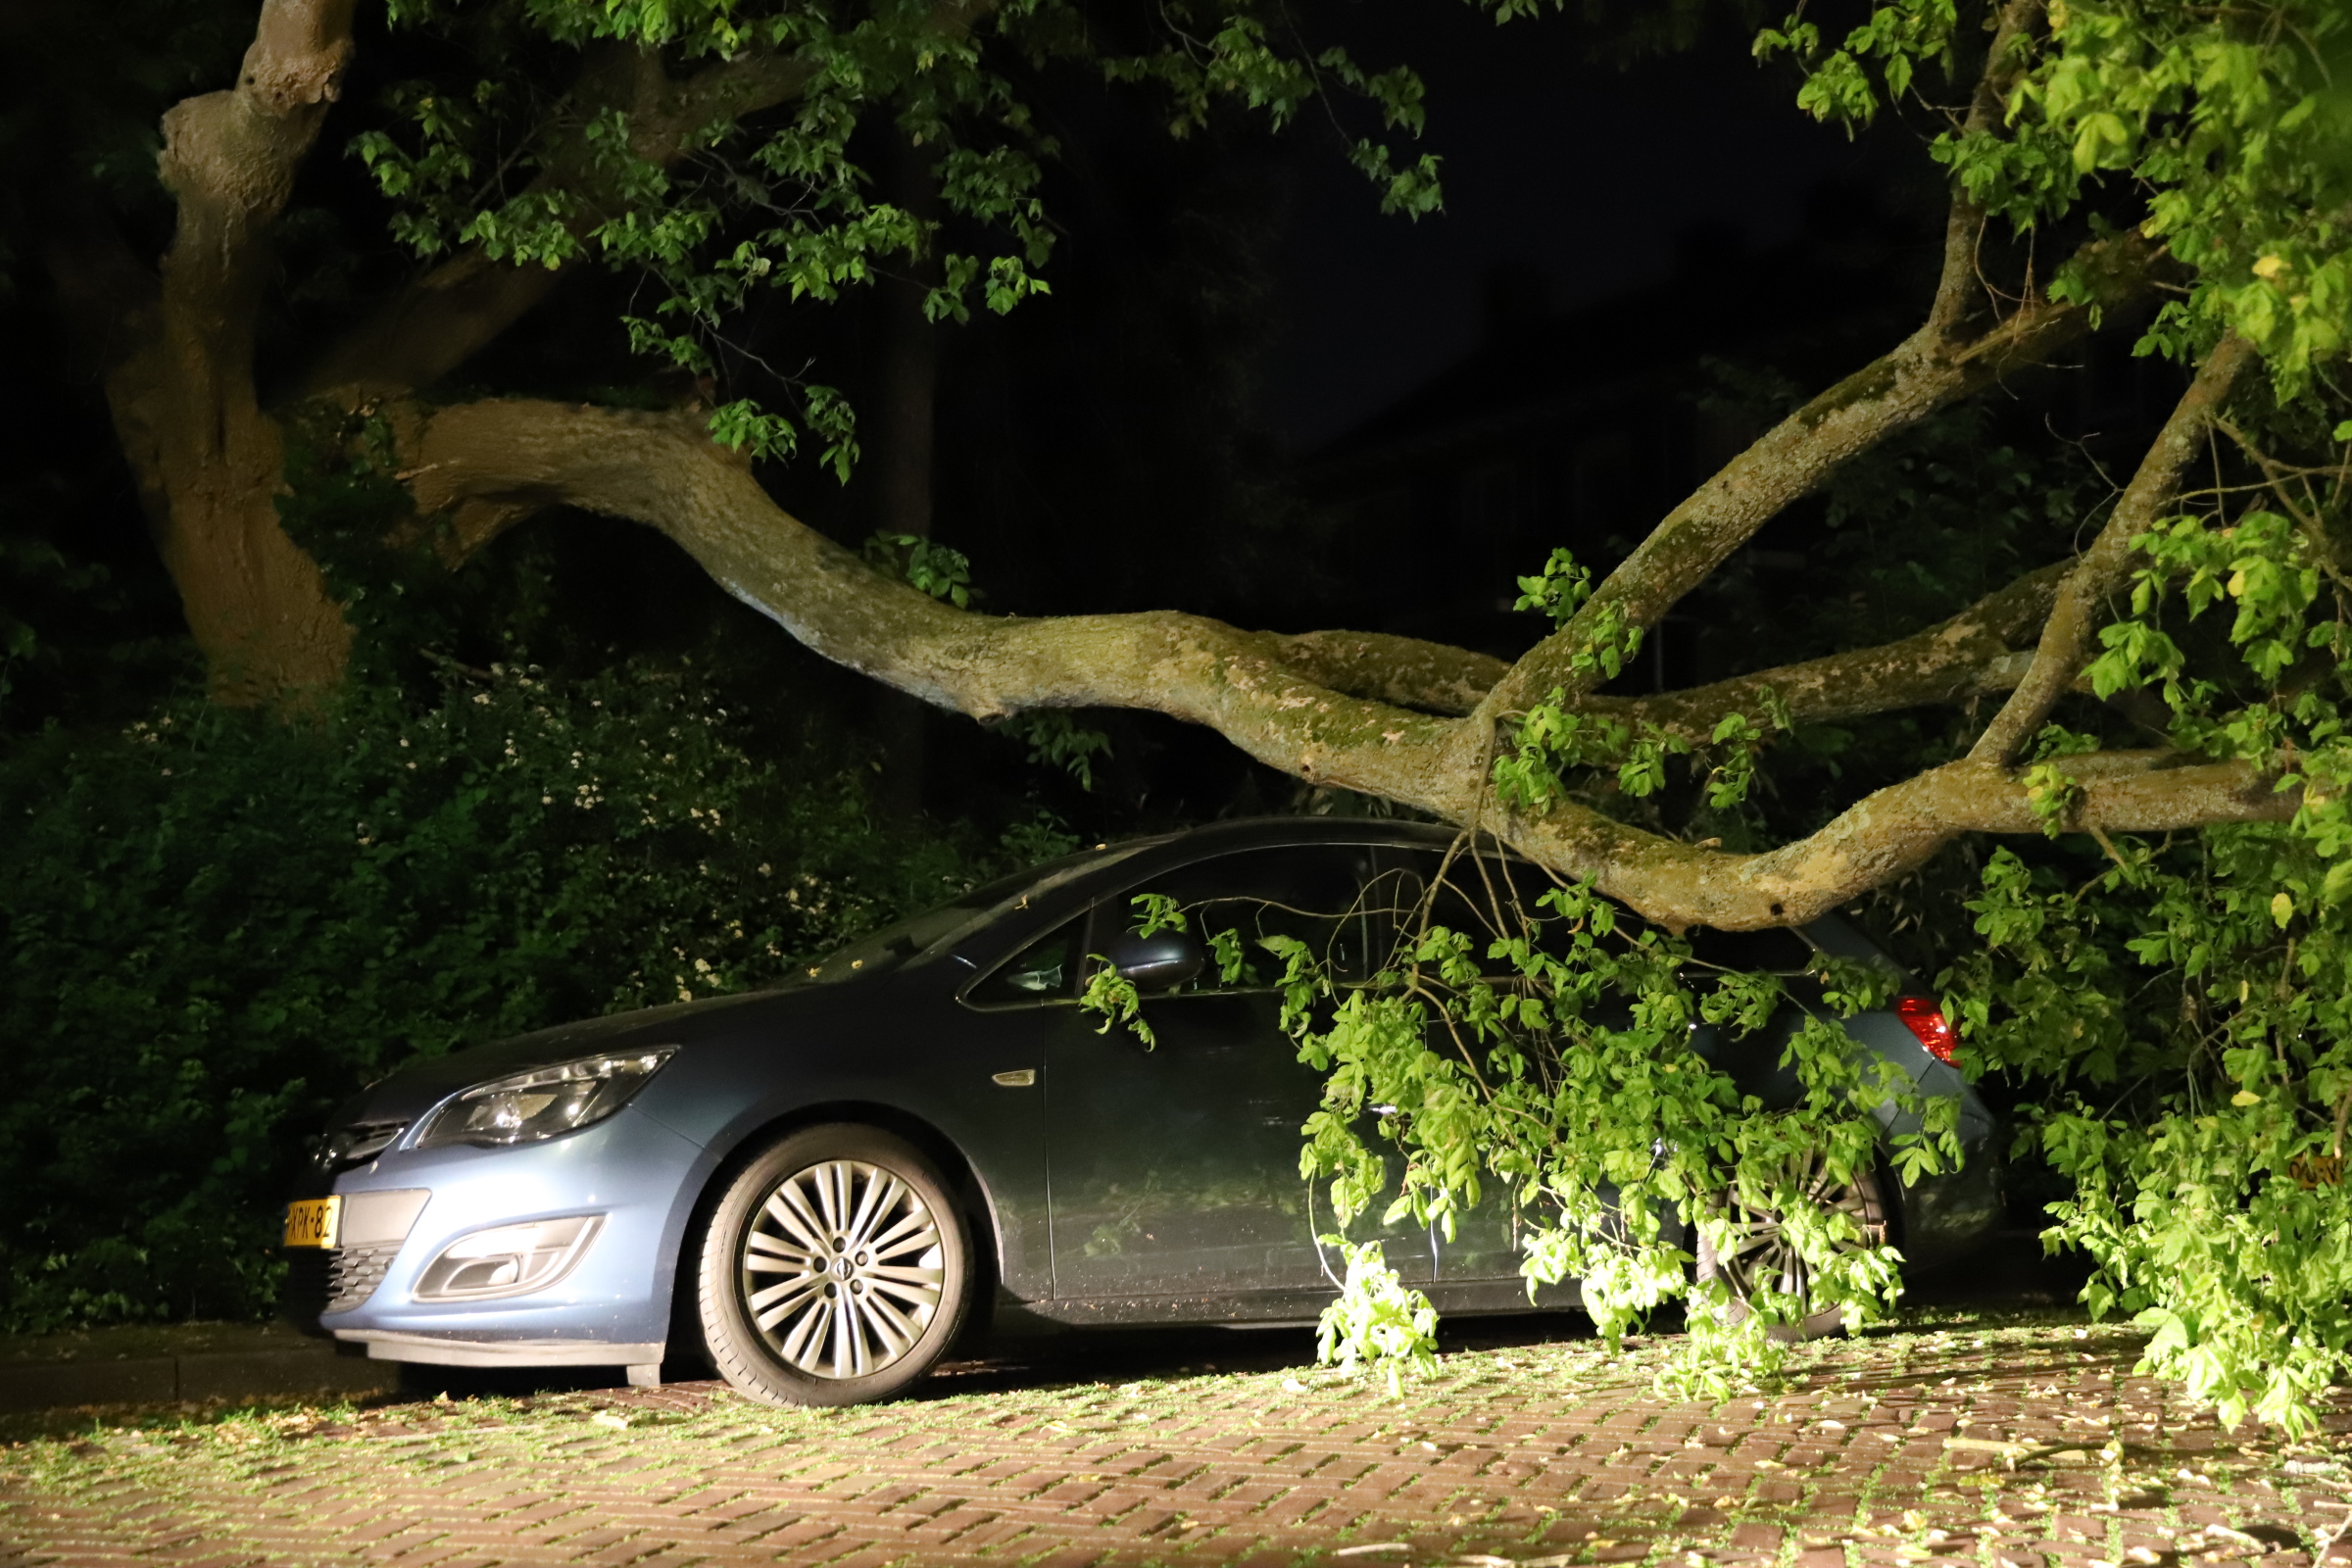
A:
(1981, 648)
(663, 470)
(1933, 367)
(1925, 374)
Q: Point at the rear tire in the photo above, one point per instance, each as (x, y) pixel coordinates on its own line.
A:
(1762, 1256)
(836, 1269)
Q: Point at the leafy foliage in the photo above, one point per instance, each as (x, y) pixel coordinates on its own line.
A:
(2188, 998)
(2175, 1002)
(2230, 123)
(1377, 1318)
(1548, 1058)
(1539, 1053)
(532, 173)
(934, 569)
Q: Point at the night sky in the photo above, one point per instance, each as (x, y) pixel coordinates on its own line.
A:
(1580, 169)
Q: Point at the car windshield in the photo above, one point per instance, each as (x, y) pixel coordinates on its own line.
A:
(915, 940)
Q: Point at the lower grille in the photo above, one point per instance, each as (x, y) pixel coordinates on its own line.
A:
(354, 1274)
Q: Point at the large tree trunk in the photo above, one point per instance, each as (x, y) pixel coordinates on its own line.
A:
(208, 460)
(256, 604)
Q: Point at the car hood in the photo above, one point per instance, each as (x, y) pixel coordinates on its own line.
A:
(418, 1086)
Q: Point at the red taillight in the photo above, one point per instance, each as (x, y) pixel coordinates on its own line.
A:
(1924, 1018)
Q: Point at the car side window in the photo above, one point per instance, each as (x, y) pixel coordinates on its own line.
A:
(1042, 971)
(1314, 893)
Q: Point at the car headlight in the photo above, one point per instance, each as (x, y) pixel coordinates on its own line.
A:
(543, 1102)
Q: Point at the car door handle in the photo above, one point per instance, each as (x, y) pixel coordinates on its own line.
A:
(1018, 1078)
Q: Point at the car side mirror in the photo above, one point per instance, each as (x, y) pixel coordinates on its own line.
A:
(1159, 961)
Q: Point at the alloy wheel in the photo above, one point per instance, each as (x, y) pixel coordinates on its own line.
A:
(842, 1269)
(1758, 1253)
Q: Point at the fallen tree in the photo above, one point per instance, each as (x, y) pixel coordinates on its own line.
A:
(2182, 159)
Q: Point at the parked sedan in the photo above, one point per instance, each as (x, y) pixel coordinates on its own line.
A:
(818, 1185)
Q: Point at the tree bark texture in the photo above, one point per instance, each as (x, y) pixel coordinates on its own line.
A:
(207, 459)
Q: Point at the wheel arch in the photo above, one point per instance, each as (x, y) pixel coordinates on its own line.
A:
(963, 1179)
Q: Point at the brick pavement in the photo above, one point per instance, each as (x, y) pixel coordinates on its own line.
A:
(2001, 1444)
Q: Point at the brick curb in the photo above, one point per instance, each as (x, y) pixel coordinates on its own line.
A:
(189, 1362)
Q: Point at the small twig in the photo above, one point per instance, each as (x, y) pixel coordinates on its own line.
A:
(2100, 834)
(2276, 475)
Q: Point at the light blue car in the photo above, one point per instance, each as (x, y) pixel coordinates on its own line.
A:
(818, 1186)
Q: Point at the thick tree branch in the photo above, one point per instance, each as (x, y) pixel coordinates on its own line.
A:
(1969, 654)
(1933, 367)
(445, 316)
(1407, 671)
(1972, 653)
(663, 470)
(2074, 620)
(1882, 836)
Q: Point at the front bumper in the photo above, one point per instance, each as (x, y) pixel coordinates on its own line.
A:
(403, 1209)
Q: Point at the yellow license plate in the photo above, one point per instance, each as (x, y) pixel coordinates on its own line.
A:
(313, 1221)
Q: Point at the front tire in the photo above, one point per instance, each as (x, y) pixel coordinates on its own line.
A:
(1761, 1255)
(836, 1269)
